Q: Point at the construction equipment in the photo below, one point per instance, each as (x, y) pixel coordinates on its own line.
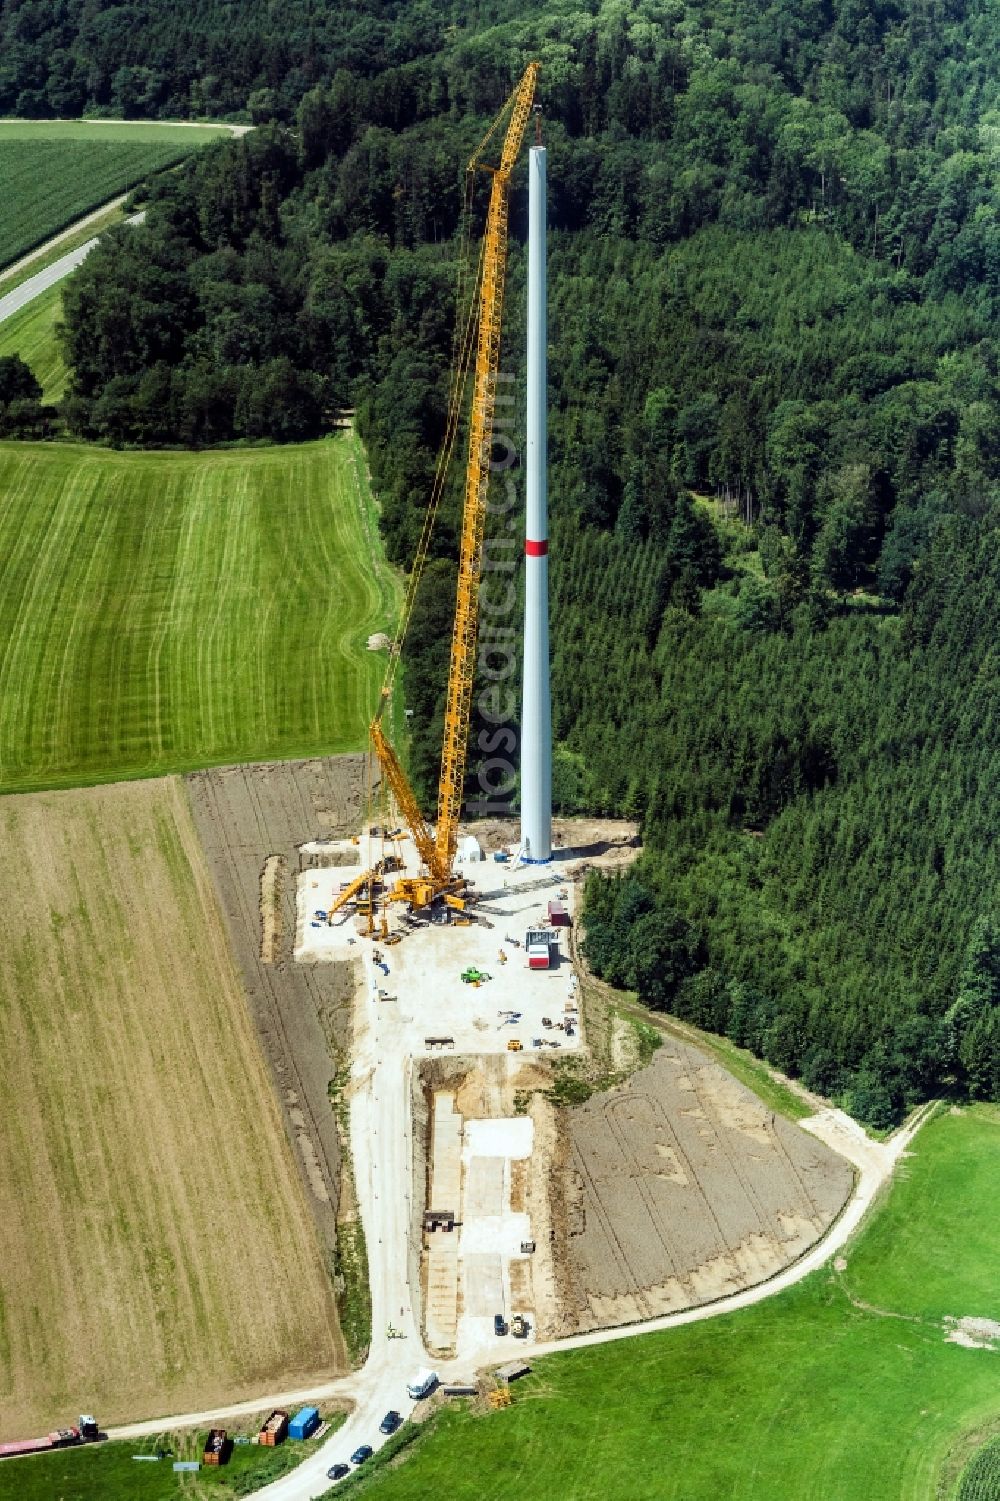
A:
(59, 1438)
(371, 879)
(482, 327)
(422, 1385)
(473, 976)
(514, 1045)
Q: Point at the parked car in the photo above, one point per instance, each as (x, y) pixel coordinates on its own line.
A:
(390, 1422)
(499, 1327)
(360, 1455)
(337, 1472)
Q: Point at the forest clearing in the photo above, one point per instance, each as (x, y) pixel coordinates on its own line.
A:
(237, 630)
(161, 1221)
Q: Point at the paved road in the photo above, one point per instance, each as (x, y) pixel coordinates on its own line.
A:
(64, 234)
(43, 280)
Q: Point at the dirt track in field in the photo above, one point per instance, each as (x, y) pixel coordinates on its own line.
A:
(251, 821)
(679, 1187)
(156, 1249)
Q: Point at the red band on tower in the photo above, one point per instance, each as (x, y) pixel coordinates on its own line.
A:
(536, 549)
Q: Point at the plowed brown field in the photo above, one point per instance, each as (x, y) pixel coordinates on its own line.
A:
(684, 1187)
(156, 1251)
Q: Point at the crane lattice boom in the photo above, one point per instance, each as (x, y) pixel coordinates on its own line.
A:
(437, 850)
(463, 646)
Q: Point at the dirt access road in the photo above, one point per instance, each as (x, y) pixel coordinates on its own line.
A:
(381, 1081)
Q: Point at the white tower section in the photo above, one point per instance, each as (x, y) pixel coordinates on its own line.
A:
(536, 710)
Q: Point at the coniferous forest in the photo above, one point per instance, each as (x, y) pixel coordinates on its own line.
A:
(774, 291)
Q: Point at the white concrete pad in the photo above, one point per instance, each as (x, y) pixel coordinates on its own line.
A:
(446, 1155)
(484, 1188)
(483, 1285)
(500, 1234)
(511, 1137)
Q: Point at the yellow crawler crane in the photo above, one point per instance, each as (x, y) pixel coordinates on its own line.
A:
(437, 847)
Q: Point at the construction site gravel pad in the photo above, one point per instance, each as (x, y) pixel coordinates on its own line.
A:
(683, 1187)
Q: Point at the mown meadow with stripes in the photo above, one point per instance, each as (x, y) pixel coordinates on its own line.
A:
(165, 611)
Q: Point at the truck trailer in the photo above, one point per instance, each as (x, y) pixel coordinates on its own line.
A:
(59, 1438)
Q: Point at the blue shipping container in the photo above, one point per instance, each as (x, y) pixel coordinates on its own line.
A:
(304, 1423)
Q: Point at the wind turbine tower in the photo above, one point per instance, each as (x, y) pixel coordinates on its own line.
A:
(536, 708)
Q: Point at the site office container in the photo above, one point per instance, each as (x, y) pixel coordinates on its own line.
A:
(558, 916)
(216, 1447)
(304, 1423)
(275, 1429)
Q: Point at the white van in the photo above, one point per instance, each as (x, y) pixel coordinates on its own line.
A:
(422, 1384)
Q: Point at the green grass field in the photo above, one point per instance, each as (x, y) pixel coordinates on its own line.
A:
(31, 333)
(808, 1397)
(108, 1472)
(53, 173)
(953, 1174)
(167, 611)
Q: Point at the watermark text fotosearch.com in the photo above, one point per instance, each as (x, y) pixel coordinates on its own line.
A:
(497, 661)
